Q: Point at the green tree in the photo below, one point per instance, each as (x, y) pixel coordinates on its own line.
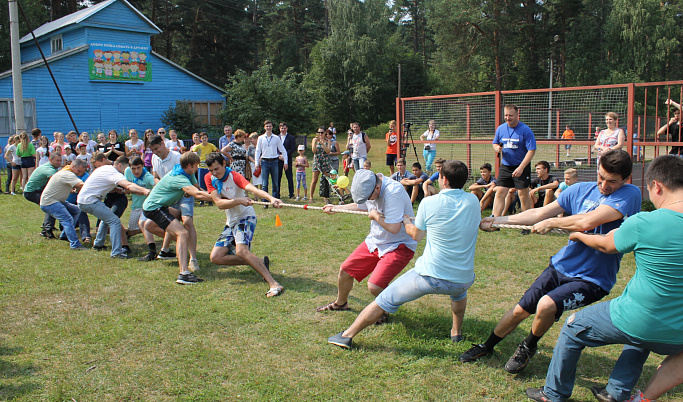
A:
(354, 70)
(253, 98)
(642, 36)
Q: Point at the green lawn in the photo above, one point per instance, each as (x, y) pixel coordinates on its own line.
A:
(84, 327)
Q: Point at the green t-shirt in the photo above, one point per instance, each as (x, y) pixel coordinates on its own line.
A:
(147, 181)
(39, 177)
(167, 191)
(29, 151)
(650, 307)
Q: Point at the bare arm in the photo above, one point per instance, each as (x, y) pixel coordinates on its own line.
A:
(601, 243)
(527, 159)
(227, 203)
(262, 194)
(664, 128)
(367, 144)
(392, 228)
(552, 185)
(413, 230)
(580, 222)
(201, 195)
(621, 140)
(132, 188)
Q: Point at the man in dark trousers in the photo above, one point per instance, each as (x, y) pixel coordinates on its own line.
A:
(289, 143)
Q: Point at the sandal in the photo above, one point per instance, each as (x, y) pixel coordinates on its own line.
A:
(87, 240)
(334, 307)
(272, 292)
(382, 319)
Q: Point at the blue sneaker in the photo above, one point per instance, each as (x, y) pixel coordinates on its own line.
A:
(341, 341)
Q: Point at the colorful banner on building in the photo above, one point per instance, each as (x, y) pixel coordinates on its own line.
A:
(119, 62)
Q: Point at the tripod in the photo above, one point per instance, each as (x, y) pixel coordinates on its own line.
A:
(408, 136)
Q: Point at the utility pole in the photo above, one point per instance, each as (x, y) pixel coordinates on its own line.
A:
(16, 68)
(399, 80)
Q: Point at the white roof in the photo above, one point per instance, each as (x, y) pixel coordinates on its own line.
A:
(80, 16)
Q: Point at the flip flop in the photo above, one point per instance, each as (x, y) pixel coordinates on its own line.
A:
(334, 307)
(272, 292)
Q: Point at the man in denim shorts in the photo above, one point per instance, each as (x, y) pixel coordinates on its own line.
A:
(577, 275)
(233, 247)
(387, 249)
(450, 220)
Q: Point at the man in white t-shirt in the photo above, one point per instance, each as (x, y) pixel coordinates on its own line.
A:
(359, 146)
(101, 181)
(387, 249)
(233, 247)
(53, 200)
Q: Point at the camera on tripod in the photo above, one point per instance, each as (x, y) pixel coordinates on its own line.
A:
(407, 125)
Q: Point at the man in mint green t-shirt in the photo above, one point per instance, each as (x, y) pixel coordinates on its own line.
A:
(647, 316)
(169, 190)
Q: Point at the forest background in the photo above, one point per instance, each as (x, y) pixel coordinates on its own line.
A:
(309, 62)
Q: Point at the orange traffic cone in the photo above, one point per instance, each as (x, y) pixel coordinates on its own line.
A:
(278, 222)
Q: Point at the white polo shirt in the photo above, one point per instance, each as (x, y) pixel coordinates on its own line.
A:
(161, 167)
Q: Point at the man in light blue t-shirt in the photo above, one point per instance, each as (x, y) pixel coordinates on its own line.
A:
(450, 220)
(577, 275)
(647, 316)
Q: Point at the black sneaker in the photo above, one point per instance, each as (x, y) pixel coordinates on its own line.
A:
(99, 248)
(166, 255)
(341, 341)
(188, 279)
(126, 249)
(151, 256)
(601, 394)
(475, 353)
(50, 235)
(520, 359)
(537, 394)
(122, 256)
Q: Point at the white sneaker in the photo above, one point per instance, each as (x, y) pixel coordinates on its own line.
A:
(297, 199)
(193, 265)
(305, 198)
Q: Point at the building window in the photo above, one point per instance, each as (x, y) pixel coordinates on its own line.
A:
(7, 123)
(56, 44)
(207, 112)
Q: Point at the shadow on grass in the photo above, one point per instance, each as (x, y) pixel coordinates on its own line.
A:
(15, 373)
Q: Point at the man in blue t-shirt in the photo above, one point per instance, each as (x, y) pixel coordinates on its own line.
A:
(427, 187)
(577, 275)
(647, 315)
(516, 144)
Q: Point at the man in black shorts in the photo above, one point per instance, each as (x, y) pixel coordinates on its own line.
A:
(577, 275)
(516, 144)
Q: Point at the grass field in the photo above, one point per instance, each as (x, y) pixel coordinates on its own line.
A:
(80, 326)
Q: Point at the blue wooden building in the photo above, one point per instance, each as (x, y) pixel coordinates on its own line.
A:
(110, 77)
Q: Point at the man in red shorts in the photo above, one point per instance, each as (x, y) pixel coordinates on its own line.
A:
(387, 249)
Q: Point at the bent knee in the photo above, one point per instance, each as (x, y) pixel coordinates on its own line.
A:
(374, 289)
(546, 306)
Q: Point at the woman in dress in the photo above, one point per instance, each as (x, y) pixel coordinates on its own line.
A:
(43, 151)
(236, 153)
(321, 158)
(610, 138)
(148, 152)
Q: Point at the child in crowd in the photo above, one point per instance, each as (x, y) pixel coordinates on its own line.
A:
(84, 155)
(43, 151)
(367, 165)
(15, 161)
(428, 186)
(334, 176)
(482, 186)
(203, 149)
(67, 156)
(301, 163)
(174, 144)
(347, 163)
(571, 176)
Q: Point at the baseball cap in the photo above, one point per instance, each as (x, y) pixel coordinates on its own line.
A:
(81, 144)
(363, 185)
(302, 147)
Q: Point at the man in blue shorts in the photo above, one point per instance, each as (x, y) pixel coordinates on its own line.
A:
(577, 276)
(233, 247)
(450, 221)
(647, 316)
(516, 143)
